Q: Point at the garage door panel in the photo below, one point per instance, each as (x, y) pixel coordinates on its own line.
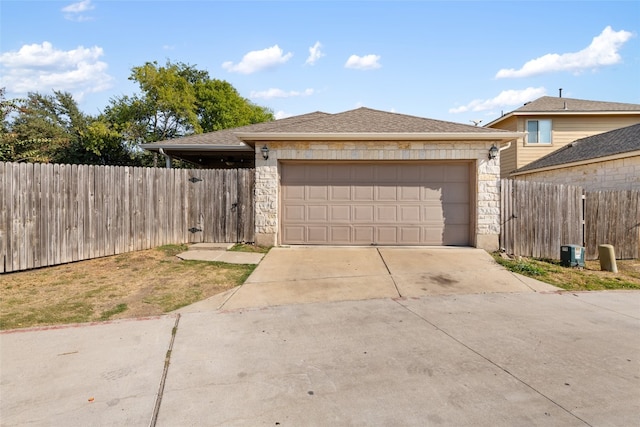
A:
(433, 174)
(433, 213)
(363, 193)
(386, 193)
(410, 173)
(387, 174)
(340, 176)
(318, 234)
(294, 192)
(410, 214)
(455, 192)
(318, 213)
(386, 213)
(340, 192)
(375, 203)
(363, 213)
(340, 213)
(294, 173)
(294, 213)
(318, 174)
(362, 173)
(340, 234)
(317, 192)
(432, 193)
(387, 235)
(456, 235)
(456, 214)
(363, 234)
(456, 173)
(410, 235)
(294, 234)
(409, 194)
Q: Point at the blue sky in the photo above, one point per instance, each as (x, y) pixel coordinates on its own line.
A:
(456, 61)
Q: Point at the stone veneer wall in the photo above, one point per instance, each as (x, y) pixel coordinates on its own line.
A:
(620, 174)
(487, 179)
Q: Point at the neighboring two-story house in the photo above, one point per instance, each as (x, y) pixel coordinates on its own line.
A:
(550, 123)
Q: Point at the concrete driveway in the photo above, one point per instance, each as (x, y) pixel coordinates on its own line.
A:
(495, 356)
(321, 274)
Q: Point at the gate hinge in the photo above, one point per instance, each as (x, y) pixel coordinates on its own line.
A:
(194, 229)
(194, 179)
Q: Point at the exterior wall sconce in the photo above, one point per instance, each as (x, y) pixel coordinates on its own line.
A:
(265, 152)
(493, 152)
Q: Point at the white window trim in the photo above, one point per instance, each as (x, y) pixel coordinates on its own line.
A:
(537, 144)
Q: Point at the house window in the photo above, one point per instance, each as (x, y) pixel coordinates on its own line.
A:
(538, 131)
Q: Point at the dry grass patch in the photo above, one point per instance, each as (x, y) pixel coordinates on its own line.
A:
(589, 278)
(137, 284)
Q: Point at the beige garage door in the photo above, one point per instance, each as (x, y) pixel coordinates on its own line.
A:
(380, 204)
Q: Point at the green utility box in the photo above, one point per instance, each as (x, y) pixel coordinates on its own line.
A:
(572, 256)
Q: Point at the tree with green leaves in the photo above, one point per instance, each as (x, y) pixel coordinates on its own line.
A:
(52, 129)
(175, 100)
(178, 100)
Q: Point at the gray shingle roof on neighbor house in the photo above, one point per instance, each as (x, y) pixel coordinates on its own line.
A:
(553, 104)
(610, 143)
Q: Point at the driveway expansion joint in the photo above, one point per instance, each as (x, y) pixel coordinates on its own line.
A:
(165, 371)
(503, 369)
(389, 271)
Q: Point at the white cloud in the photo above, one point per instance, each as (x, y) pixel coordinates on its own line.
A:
(42, 68)
(314, 54)
(367, 62)
(73, 12)
(281, 115)
(279, 93)
(506, 98)
(602, 51)
(258, 60)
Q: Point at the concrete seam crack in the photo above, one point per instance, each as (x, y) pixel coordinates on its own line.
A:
(389, 271)
(521, 381)
(163, 379)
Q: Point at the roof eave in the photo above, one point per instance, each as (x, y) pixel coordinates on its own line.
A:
(195, 147)
(560, 113)
(251, 137)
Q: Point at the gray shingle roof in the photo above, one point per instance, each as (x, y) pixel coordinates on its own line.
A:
(227, 136)
(367, 120)
(617, 141)
(553, 104)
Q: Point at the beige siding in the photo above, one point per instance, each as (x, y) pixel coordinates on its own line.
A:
(508, 160)
(620, 174)
(565, 129)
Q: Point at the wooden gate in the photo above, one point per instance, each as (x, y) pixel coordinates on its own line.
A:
(220, 205)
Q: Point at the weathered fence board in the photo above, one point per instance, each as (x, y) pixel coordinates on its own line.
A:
(52, 214)
(538, 218)
(613, 218)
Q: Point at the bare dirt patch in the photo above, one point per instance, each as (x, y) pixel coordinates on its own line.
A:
(137, 284)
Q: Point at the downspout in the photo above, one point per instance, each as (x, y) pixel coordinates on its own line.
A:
(168, 158)
(505, 147)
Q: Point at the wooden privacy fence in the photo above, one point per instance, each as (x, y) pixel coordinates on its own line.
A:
(613, 217)
(52, 214)
(538, 218)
